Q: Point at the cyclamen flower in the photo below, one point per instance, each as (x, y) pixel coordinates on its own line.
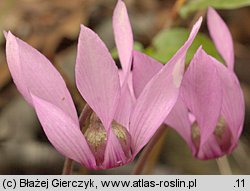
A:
(217, 102)
(209, 112)
(119, 127)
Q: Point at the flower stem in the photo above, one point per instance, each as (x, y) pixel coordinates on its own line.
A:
(68, 163)
(147, 150)
(67, 167)
(177, 6)
(154, 155)
(224, 166)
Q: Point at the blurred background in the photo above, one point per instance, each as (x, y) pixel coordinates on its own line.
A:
(159, 27)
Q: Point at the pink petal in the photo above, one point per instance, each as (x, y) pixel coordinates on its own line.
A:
(63, 133)
(32, 72)
(202, 93)
(124, 108)
(97, 76)
(221, 37)
(129, 82)
(158, 97)
(15, 65)
(5, 34)
(114, 155)
(192, 35)
(154, 103)
(233, 107)
(123, 36)
(121, 76)
(144, 68)
(178, 119)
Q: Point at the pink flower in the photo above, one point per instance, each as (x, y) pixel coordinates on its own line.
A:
(119, 126)
(209, 112)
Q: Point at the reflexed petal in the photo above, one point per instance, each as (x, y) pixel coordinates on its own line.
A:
(233, 107)
(64, 134)
(178, 119)
(97, 76)
(32, 72)
(202, 93)
(129, 82)
(158, 97)
(221, 37)
(124, 108)
(5, 34)
(154, 103)
(191, 37)
(114, 155)
(15, 65)
(121, 76)
(123, 36)
(144, 68)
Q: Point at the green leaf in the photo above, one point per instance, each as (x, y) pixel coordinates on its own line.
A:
(167, 42)
(194, 5)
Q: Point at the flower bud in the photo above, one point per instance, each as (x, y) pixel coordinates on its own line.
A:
(123, 136)
(96, 137)
(223, 134)
(196, 134)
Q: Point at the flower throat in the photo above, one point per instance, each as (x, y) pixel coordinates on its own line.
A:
(96, 136)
